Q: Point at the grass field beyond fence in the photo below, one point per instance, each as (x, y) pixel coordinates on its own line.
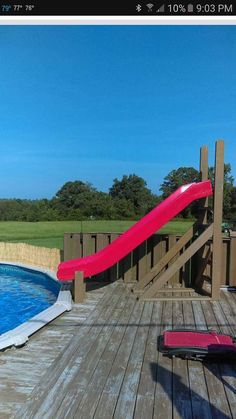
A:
(50, 233)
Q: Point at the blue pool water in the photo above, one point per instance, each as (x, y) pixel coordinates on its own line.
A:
(23, 294)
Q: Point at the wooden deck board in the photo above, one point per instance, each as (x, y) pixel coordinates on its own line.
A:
(219, 405)
(101, 361)
(127, 396)
(147, 384)
(197, 381)
(163, 393)
(181, 392)
(111, 391)
(90, 394)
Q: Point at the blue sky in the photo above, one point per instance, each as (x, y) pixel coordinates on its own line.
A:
(92, 103)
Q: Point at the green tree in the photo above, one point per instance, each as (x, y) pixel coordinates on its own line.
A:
(185, 175)
(74, 200)
(101, 206)
(177, 178)
(133, 189)
(19, 210)
(71, 194)
(123, 209)
(233, 204)
(228, 190)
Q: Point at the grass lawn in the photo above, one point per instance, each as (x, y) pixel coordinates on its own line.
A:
(50, 233)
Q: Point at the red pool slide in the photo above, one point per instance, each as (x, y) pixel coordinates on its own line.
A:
(135, 235)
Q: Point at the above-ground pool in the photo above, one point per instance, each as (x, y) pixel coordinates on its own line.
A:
(23, 294)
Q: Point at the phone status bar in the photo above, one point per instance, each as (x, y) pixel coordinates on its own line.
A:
(104, 8)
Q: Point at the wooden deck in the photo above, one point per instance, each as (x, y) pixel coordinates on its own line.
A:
(101, 361)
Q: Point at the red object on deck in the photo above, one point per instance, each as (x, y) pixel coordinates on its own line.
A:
(190, 339)
(135, 235)
(198, 345)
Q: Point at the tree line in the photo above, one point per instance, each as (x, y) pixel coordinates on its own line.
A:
(127, 198)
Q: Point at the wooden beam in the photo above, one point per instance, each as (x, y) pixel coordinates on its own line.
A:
(179, 290)
(202, 266)
(182, 259)
(194, 298)
(217, 220)
(165, 259)
(79, 290)
(172, 241)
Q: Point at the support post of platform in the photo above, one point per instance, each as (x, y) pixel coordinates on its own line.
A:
(202, 218)
(204, 176)
(217, 221)
(79, 290)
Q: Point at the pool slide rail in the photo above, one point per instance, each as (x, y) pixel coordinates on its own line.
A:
(135, 235)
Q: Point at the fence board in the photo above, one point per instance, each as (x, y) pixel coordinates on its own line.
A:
(149, 256)
(102, 240)
(224, 269)
(113, 271)
(127, 268)
(89, 244)
(185, 275)
(159, 247)
(72, 246)
(140, 261)
(175, 278)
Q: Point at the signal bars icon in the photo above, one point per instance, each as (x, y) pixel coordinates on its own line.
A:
(161, 9)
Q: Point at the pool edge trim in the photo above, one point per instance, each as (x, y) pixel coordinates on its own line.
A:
(20, 335)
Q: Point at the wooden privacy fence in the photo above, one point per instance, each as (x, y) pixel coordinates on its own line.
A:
(135, 265)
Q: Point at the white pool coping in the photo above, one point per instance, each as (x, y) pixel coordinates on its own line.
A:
(20, 335)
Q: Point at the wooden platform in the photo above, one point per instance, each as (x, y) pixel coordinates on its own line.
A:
(101, 361)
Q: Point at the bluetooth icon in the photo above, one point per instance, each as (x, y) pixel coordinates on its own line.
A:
(138, 7)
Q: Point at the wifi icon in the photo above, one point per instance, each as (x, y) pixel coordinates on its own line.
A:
(150, 6)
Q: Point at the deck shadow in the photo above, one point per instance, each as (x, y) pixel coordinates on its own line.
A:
(93, 284)
(224, 372)
(90, 283)
(168, 381)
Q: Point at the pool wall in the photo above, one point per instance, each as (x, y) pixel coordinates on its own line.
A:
(20, 335)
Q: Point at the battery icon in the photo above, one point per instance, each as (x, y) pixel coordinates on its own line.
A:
(190, 8)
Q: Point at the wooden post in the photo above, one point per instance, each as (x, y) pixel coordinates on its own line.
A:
(232, 261)
(79, 290)
(202, 219)
(217, 220)
(204, 176)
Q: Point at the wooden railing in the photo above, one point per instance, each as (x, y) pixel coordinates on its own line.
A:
(135, 265)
